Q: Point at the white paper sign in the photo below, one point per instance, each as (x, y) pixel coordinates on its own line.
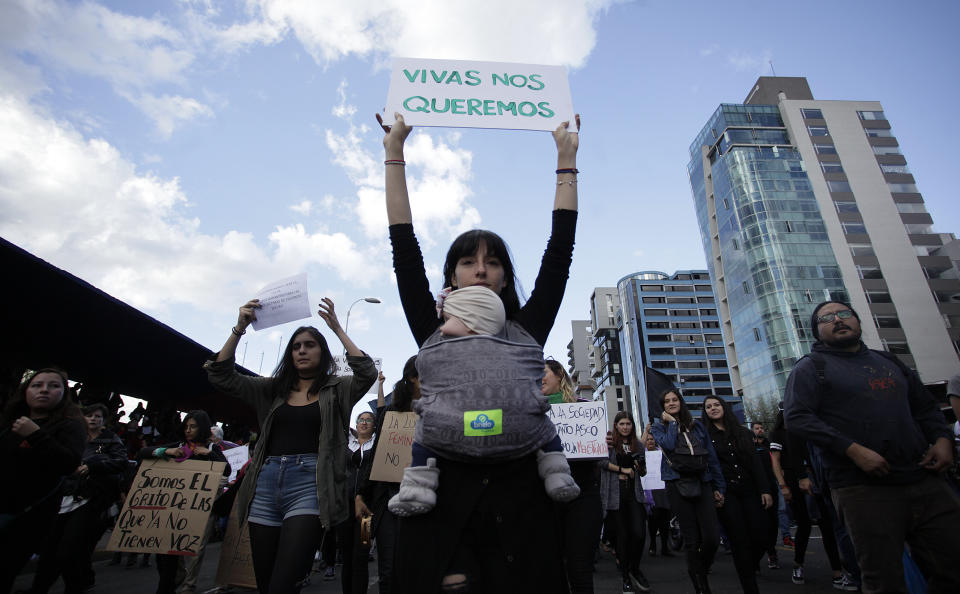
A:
(344, 369)
(466, 94)
(237, 457)
(652, 479)
(582, 427)
(283, 301)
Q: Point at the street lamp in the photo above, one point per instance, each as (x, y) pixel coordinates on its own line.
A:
(367, 299)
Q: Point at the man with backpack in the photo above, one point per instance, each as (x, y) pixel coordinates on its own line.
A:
(883, 440)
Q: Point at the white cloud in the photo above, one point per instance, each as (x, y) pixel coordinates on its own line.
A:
(758, 63)
(302, 208)
(81, 205)
(437, 176)
(133, 54)
(547, 32)
(168, 111)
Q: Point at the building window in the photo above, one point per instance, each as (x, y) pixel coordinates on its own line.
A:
(654, 312)
(654, 299)
(903, 188)
(886, 321)
(869, 272)
(726, 204)
(812, 114)
(878, 296)
(918, 229)
(661, 351)
(705, 300)
(651, 288)
(911, 207)
(756, 334)
(878, 133)
(886, 150)
(828, 167)
(838, 186)
(894, 168)
(871, 115)
(846, 206)
(818, 131)
(861, 249)
(897, 347)
(736, 244)
(746, 287)
(854, 229)
(825, 149)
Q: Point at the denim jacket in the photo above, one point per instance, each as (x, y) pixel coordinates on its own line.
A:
(667, 436)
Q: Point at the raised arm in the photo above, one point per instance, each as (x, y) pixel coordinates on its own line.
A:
(330, 317)
(398, 200)
(246, 316)
(567, 143)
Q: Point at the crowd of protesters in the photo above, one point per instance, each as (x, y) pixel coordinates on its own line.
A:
(858, 439)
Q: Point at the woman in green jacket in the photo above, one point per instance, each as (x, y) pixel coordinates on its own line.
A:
(297, 479)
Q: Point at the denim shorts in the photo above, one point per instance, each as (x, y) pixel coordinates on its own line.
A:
(286, 487)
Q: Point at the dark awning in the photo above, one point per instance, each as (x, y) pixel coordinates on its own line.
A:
(52, 317)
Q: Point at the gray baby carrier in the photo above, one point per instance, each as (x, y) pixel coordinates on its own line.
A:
(480, 396)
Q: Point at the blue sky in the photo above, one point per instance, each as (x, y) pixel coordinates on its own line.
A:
(181, 156)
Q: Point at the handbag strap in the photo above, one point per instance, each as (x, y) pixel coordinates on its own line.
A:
(687, 439)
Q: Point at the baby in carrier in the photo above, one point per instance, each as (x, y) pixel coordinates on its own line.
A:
(480, 400)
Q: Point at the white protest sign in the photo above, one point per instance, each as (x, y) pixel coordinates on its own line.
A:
(582, 427)
(344, 369)
(237, 457)
(466, 94)
(652, 479)
(283, 301)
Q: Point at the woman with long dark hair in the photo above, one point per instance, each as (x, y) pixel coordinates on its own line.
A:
(296, 482)
(453, 546)
(42, 436)
(694, 482)
(580, 520)
(748, 491)
(373, 496)
(86, 495)
(624, 500)
(197, 444)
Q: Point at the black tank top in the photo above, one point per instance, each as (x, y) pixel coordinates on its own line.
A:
(295, 430)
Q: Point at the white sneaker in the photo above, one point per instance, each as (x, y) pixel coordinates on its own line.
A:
(797, 575)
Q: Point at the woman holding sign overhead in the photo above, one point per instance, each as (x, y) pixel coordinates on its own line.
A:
(493, 527)
(297, 479)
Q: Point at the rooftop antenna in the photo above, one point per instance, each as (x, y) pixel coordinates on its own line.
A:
(771, 67)
(259, 369)
(244, 359)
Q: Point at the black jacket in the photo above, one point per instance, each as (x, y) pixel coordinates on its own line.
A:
(106, 457)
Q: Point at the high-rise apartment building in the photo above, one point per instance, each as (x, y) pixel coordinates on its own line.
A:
(580, 359)
(607, 368)
(670, 323)
(800, 200)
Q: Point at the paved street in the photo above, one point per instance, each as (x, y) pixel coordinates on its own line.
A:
(666, 575)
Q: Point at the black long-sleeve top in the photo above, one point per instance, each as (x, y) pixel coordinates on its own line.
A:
(537, 314)
(740, 462)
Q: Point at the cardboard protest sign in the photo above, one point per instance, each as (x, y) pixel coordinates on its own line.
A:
(236, 561)
(167, 507)
(237, 457)
(393, 446)
(582, 427)
(467, 94)
(652, 479)
(282, 301)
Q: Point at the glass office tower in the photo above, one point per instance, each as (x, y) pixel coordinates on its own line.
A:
(766, 246)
